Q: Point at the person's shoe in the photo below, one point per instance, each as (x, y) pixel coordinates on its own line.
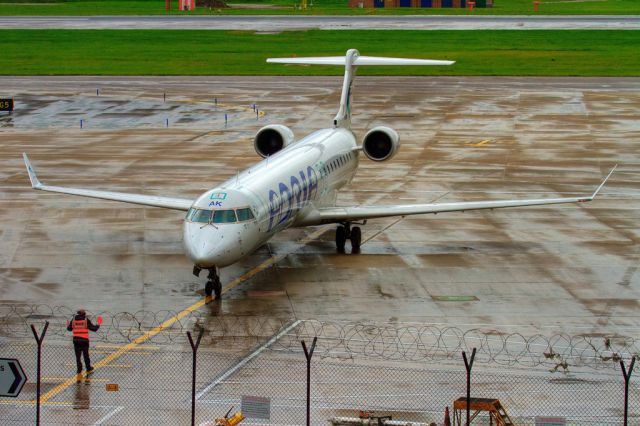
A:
(89, 370)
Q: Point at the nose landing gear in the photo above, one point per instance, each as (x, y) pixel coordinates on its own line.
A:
(213, 285)
(345, 232)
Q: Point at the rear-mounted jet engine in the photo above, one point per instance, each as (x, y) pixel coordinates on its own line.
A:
(271, 139)
(381, 143)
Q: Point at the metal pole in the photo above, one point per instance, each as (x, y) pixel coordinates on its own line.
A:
(308, 354)
(468, 365)
(39, 340)
(194, 348)
(627, 378)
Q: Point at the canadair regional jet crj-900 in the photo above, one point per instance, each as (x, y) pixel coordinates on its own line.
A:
(294, 185)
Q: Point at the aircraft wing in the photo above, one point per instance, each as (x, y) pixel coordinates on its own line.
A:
(356, 213)
(146, 200)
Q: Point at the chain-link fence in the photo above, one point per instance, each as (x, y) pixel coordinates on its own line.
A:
(147, 380)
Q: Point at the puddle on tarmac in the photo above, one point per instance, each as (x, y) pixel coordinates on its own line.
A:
(104, 112)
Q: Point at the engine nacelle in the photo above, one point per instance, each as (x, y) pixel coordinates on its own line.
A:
(271, 139)
(381, 143)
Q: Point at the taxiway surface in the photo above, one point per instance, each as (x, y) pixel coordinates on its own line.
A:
(286, 23)
(572, 268)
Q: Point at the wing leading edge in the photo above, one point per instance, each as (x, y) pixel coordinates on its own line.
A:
(350, 214)
(145, 200)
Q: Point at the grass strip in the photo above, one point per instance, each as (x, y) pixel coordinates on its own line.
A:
(203, 52)
(320, 7)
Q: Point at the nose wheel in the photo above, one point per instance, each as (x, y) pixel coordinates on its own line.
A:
(344, 233)
(213, 285)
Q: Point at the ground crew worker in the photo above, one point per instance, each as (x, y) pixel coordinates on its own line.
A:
(80, 325)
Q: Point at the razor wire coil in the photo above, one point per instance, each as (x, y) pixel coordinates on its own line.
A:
(340, 339)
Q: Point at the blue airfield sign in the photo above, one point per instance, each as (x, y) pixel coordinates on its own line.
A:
(12, 377)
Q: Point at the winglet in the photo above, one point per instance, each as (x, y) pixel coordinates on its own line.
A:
(602, 184)
(35, 183)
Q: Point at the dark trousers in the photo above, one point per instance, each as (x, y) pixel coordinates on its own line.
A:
(81, 347)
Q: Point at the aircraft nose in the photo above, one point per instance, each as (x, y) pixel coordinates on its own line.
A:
(208, 246)
(199, 245)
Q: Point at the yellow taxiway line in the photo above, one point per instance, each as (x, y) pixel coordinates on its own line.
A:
(484, 142)
(104, 362)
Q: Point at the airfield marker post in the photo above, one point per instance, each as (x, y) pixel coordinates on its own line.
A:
(627, 378)
(194, 348)
(81, 123)
(308, 354)
(468, 364)
(39, 340)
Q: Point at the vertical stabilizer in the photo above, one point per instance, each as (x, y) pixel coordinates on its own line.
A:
(343, 117)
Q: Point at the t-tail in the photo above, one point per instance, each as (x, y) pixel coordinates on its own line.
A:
(351, 61)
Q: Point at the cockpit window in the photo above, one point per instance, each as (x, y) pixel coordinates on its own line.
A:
(244, 214)
(198, 215)
(224, 216)
(219, 216)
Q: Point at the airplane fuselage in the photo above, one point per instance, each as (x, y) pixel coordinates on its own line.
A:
(279, 191)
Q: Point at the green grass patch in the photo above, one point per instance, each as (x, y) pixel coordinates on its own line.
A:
(203, 52)
(320, 7)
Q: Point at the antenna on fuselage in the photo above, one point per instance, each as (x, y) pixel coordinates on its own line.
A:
(351, 61)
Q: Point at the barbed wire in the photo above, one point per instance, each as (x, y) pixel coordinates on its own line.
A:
(338, 339)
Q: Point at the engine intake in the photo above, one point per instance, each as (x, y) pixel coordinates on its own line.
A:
(381, 143)
(271, 139)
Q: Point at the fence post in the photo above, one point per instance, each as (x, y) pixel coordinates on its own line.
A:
(194, 349)
(39, 340)
(627, 377)
(308, 354)
(468, 365)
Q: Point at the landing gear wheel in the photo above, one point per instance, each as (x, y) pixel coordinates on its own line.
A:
(217, 288)
(341, 238)
(208, 288)
(356, 239)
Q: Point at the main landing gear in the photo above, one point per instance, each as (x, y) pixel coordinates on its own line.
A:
(213, 285)
(345, 232)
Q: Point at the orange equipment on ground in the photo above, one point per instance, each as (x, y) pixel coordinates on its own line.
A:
(491, 405)
(230, 421)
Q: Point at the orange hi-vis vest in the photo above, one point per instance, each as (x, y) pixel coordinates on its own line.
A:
(80, 328)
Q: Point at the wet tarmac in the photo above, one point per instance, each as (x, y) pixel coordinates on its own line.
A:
(571, 268)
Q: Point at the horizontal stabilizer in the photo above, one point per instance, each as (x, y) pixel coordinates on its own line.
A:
(360, 60)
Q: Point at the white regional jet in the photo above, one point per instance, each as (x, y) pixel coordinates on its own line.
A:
(294, 185)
